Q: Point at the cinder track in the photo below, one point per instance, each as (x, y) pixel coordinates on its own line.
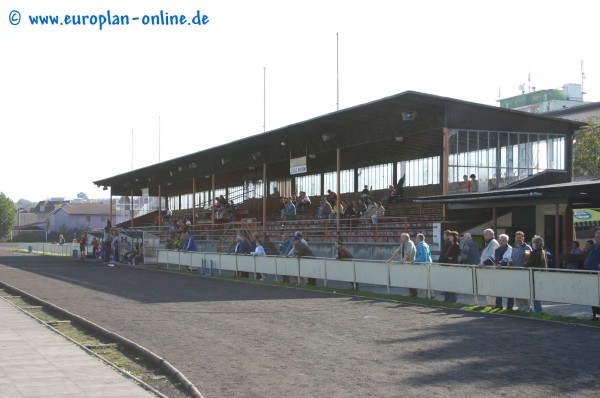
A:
(236, 339)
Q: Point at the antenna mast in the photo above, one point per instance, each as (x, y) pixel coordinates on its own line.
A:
(582, 78)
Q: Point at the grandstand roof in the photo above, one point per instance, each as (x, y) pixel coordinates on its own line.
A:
(400, 127)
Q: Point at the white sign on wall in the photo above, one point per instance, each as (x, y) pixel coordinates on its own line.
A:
(298, 165)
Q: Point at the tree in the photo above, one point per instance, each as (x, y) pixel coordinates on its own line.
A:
(586, 150)
(7, 216)
(24, 203)
(82, 195)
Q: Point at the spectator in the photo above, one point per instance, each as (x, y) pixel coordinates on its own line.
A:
(390, 197)
(592, 263)
(360, 207)
(275, 193)
(302, 250)
(292, 250)
(260, 250)
(452, 256)
(242, 247)
(341, 254)
(586, 250)
(399, 186)
(364, 195)
(465, 185)
(444, 246)
(575, 257)
(325, 209)
(289, 209)
(491, 244)
(422, 256)
(349, 211)
(61, 239)
(370, 210)
(473, 183)
(303, 201)
(285, 245)
(82, 243)
(519, 259)
(331, 197)
(470, 250)
(168, 215)
(406, 250)
(502, 257)
(538, 259)
(190, 243)
(95, 247)
(379, 212)
(107, 247)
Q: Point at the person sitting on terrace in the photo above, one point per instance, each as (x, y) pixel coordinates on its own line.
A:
(325, 209)
(303, 201)
(349, 210)
(289, 209)
(360, 207)
(379, 212)
(332, 197)
(370, 210)
(390, 197)
(275, 193)
(364, 195)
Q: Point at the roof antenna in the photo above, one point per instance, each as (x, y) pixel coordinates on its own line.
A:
(582, 78)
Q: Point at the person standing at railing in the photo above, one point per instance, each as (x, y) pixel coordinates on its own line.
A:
(592, 263)
(537, 259)
(407, 252)
(518, 259)
(302, 250)
(469, 253)
(190, 243)
(344, 254)
(422, 256)
(452, 256)
(491, 244)
(502, 256)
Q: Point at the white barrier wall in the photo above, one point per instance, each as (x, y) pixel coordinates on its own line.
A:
(340, 270)
(266, 265)
(452, 278)
(287, 266)
(504, 282)
(567, 287)
(312, 268)
(560, 286)
(409, 275)
(373, 272)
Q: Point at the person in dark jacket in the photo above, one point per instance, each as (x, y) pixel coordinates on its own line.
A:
(592, 263)
(452, 256)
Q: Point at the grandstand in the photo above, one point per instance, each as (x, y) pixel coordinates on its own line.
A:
(522, 161)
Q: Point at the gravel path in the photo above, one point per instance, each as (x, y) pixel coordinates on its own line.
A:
(237, 339)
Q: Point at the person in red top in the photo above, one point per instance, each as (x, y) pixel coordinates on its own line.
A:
(95, 246)
(82, 243)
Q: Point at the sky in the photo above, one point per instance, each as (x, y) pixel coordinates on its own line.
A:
(84, 102)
